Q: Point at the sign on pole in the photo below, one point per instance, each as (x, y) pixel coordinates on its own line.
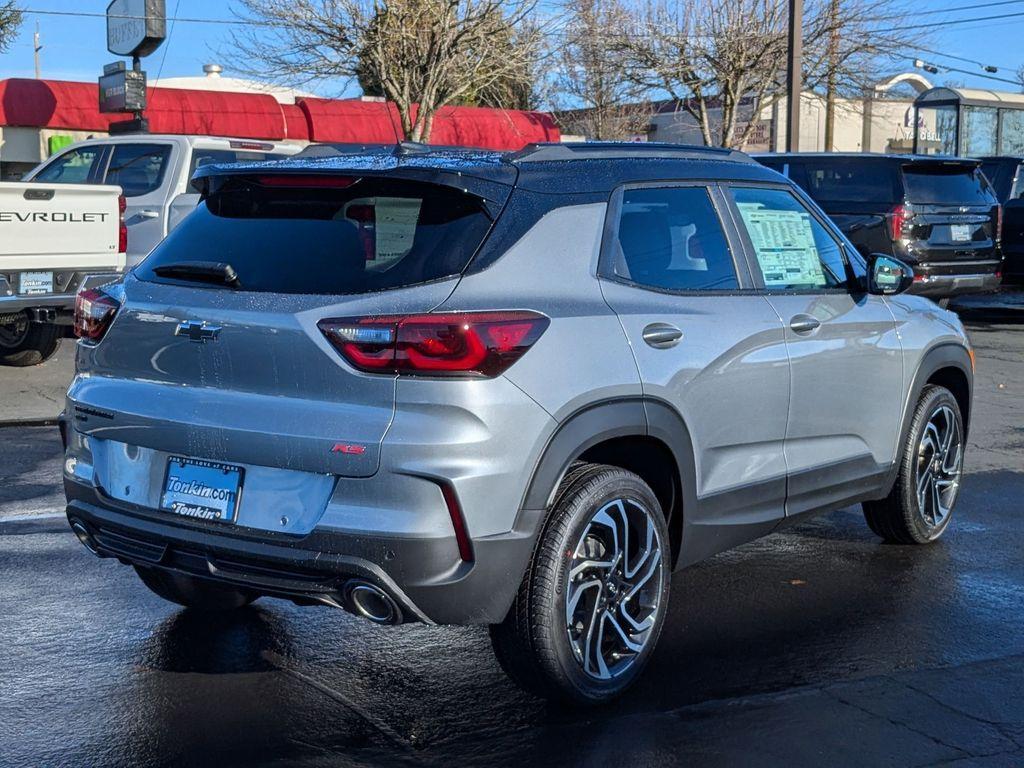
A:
(136, 27)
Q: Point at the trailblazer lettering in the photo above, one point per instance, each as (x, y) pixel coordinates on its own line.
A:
(59, 217)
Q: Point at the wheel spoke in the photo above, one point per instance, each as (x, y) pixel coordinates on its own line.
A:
(626, 641)
(649, 620)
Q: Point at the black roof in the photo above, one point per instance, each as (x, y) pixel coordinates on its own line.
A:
(551, 168)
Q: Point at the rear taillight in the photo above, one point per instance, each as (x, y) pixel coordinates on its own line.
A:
(999, 223)
(449, 344)
(94, 311)
(122, 227)
(897, 220)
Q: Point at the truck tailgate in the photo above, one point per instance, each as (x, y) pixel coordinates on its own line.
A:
(59, 226)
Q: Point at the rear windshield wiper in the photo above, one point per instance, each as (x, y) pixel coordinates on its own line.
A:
(214, 272)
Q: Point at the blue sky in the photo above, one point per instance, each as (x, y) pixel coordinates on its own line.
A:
(74, 47)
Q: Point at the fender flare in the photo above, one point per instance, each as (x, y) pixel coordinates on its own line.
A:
(944, 355)
(625, 417)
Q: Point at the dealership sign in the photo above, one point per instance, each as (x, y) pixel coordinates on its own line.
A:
(136, 27)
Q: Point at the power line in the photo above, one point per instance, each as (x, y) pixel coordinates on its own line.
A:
(167, 42)
(962, 21)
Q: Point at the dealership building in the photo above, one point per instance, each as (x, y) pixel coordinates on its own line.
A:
(39, 117)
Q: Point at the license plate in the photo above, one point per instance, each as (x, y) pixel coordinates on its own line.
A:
(960, 233)
(32, 283)
(206, 490)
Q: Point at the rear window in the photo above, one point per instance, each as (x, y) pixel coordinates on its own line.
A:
(935, 183)
(372, 234)
(201, 157)
(859, 180)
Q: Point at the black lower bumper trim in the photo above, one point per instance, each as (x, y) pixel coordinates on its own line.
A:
(425, 577)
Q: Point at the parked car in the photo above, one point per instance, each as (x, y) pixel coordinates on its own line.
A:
(54, 241)
(154, 171)
(1004, 174)
(514, 390)
(938, 214)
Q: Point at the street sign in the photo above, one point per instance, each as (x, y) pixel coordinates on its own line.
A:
(136, 27)
(123, 91)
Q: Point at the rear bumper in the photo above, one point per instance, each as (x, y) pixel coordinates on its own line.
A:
(944, 286)
(12, 301)
(314, 568)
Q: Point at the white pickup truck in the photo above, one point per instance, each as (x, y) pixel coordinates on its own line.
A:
(55, 240)
(154, 171)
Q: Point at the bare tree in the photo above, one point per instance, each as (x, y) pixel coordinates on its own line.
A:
(10, 21)
(722, 60)
(424, 54)
(592, 91)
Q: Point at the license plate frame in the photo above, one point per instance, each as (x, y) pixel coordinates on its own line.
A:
(35, 283)
(187, 498)
(960, 233)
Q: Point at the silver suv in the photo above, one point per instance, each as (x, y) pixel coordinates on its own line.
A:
(517, 390)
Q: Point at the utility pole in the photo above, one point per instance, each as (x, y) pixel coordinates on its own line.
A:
(794, 74)
(36, 48)
(830, 79)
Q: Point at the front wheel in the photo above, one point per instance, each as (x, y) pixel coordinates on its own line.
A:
(192, 592)
(920, 505)
(591, 606)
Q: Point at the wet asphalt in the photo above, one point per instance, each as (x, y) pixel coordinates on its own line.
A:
(816, 646)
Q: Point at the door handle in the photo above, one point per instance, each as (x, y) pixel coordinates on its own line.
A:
(148, 214)
(804, 324)
(662, 335)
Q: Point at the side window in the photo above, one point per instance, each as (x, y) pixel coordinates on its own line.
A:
(794, 251)
(138, 168)
(670, 238)
(78, 166)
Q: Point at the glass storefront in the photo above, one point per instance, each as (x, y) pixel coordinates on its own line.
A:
(936, 130)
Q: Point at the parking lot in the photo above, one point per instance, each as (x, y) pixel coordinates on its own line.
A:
(818, 645)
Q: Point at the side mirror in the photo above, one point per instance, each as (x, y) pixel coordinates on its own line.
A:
(888, 276)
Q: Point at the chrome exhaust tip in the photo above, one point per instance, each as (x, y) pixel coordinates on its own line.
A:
(79, 529)
(371, 602)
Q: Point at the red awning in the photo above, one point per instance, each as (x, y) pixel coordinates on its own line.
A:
(366, 122)
(215, 113)
(75, 106)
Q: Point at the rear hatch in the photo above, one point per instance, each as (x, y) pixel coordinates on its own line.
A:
(952, 215)
(237, 370)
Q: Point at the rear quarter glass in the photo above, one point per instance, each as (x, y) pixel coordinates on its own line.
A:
(358, 236)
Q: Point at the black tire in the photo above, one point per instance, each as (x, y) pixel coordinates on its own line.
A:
(899, 518)
(192, 592)
(28, 343)
(533, 643)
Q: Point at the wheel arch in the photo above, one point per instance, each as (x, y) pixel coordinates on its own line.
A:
(641, 435)
(948, 365)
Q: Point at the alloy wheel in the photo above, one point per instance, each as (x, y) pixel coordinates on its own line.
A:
(614, 588)
(939, 459)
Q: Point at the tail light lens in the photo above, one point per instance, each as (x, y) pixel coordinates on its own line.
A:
(999, 223)
(897, 220)
(94, 311)
(122, 227)
(481, 344)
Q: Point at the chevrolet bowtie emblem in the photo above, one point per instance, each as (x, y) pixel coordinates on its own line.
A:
(199, 332)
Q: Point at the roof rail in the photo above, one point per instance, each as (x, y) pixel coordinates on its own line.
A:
(617, 150)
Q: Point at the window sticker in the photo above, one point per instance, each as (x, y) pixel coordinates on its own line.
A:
(784, 241)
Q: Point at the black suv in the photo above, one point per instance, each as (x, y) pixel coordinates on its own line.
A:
(938, 214)
(1004, 173)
